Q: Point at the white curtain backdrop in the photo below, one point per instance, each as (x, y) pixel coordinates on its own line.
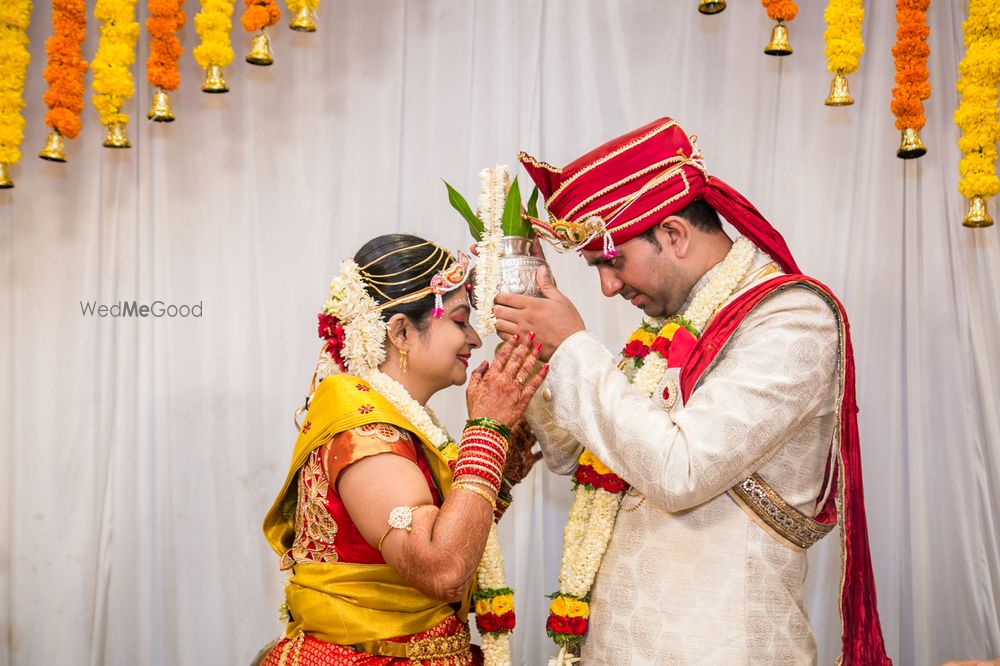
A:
(139, 456)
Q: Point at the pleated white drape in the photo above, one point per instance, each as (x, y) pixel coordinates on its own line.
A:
(139, 456)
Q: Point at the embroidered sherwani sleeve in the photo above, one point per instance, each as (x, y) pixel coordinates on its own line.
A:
(778, 371)
(560, 449)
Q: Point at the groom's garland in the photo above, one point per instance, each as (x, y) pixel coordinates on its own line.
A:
(599, 491)
(355, 333)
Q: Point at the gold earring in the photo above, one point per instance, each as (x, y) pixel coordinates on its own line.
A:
(402, 360)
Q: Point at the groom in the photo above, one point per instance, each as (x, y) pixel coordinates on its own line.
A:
(739, 442)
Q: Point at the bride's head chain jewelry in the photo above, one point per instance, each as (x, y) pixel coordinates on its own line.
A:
(360, 330)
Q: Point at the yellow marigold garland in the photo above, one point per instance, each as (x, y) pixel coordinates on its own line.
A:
(295, 6)
(15, 15)
(166, 17)
(113, 84)
(843, 35)
(979, 87)
(213, 24)
(66, 66)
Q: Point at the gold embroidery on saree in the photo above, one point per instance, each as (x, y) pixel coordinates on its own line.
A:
(315, 528)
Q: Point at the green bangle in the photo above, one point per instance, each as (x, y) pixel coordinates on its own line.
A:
(489, 424)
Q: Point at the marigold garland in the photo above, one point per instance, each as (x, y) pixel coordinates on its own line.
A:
(66, 66)
(844, 45)
(113, 84)
(911, 51)
(259, 14)
(651, 349)
(15, 15)
(166, 17)
(295, 6)
(213, 23)
(781, 10)
(979, 87)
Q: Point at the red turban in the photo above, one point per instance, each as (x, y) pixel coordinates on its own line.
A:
(632, 183)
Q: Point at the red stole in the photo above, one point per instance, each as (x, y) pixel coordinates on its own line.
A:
(862, 642)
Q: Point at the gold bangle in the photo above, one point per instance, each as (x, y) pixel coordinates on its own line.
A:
(476, 480)
(474, 489)
(383, 538)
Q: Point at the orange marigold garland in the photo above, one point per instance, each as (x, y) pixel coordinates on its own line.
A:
(912, 84)
(64, 74)
(781, 11)
(166, 17)
(260, 14)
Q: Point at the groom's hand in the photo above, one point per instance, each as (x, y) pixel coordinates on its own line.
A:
(553, 318)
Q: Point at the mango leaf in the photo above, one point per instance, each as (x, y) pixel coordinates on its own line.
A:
(533, 203)
(459, 203)
(513, 225)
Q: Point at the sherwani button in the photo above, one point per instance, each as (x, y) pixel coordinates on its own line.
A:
(546, 394)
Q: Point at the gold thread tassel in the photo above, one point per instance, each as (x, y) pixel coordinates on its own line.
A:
(55, 147)
(116, 136)
(839, 95)
(215, 82)
(910, 146)
(711, 6)
(5, 182)
(979, 215)
(304, 21)
(160, 110)
(260, 50)
(779, 44)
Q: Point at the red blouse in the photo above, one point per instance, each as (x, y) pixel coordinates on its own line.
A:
(324, 531)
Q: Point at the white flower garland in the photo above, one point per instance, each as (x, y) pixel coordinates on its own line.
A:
(490, 574)
(364, 329)
(594, 510)
(734, 268)
(492, 196)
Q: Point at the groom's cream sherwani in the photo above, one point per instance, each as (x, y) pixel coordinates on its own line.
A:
(689, 577)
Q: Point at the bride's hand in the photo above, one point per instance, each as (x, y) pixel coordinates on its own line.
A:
(501, 390)
(520, 459)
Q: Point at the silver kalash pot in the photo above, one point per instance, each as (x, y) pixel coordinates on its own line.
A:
(517, 267)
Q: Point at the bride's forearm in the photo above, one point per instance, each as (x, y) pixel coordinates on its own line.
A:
(440, 555)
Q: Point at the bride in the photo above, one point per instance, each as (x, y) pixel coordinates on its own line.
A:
(383, 518)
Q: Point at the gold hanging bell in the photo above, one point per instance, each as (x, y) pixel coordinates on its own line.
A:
(260, 50)
(911, 147)
(304, 21)
(160, 110)
(55, 147)
(979, 214)
(116, 137)
(779, 44)
(711, 6)
(214, 81)
(5, 182)
(839, 94)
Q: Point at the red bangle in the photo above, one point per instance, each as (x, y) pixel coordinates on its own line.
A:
(482, 473)
(485, 464)
(474, 449)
